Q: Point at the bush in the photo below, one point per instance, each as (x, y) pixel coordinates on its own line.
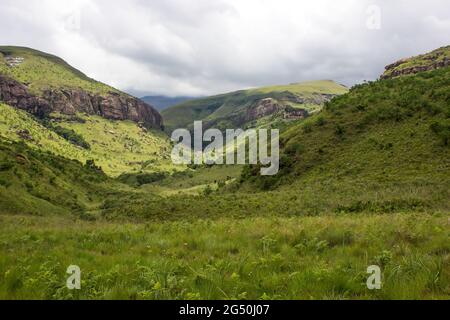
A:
(69, 135)
(442, 130)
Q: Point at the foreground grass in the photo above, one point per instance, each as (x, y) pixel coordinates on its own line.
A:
(323, 257)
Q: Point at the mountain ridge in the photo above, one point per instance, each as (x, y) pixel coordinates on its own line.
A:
(42, 83)
(238, 108)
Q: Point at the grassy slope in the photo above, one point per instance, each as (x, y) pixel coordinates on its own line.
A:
(375, 150)
(39, 183)
(122, 146)
(219, 108)
(381, 133)
(13, 120)
(116, 146)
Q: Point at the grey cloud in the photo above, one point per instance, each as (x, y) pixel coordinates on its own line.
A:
(200, 47)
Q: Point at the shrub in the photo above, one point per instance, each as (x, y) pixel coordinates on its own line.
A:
(69, 135)
(442, 130)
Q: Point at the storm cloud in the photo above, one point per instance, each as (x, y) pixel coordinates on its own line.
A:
(202, 47)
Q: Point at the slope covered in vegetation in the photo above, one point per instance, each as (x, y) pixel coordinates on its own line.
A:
(385, 132)
(40, 183)
(116, 146)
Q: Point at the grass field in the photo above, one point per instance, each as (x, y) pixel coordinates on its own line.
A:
(253, 258)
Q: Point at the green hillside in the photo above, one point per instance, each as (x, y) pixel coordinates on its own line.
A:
(39, 183)
(116, 146)
(389, 132)
(229, 110)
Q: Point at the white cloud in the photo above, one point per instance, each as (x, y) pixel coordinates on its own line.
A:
(178, 47)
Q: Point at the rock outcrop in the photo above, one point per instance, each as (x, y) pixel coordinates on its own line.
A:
(269, 106)
(263, 108)
(17, 95)
(113, 105)
(391, 72)
(437, 59)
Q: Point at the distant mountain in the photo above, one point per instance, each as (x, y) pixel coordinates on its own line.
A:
(265, 106)
(163, 102)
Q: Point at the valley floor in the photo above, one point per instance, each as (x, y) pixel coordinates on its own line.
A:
(322, 257)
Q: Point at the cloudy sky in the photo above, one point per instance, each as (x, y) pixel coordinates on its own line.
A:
(202, 47)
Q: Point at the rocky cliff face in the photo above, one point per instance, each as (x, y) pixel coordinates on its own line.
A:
(113, 105)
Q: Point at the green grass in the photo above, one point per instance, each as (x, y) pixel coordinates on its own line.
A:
(123, 146)
(253, 258)
(39, 183)
(13, 120)
(42, 71)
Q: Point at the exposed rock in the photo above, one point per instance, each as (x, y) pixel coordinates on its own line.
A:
(269, 106)
(24, 134)
(294, 114)
(113, 105)
(437, 59)
(16, 94)
(13, 61)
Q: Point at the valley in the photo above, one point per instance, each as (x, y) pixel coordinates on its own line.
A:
(86, 178)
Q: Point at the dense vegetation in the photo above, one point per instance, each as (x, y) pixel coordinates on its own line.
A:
(39, 183)
(69, 135)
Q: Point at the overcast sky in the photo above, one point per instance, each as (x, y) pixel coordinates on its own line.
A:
(202, 47)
